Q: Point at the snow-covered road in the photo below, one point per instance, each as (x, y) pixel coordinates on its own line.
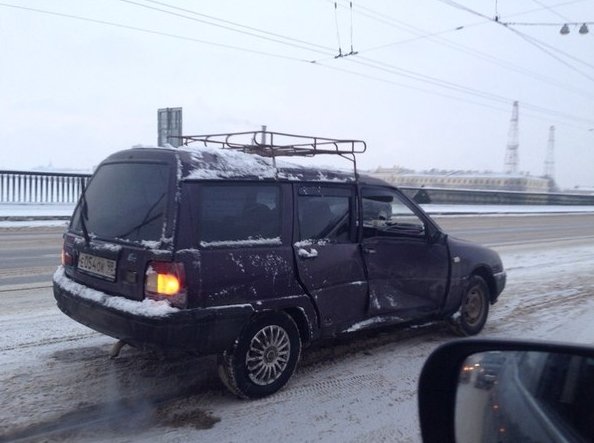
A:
(59, 384)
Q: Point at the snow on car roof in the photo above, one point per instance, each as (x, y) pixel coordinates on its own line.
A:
(207, 163)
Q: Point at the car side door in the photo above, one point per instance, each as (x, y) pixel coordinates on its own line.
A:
(407, 263)
(327, 254)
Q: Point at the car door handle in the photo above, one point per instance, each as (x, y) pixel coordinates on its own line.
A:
(367, 250)
(304, 253)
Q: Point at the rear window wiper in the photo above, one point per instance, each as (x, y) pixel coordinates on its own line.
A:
(147, 220)
(84, 215)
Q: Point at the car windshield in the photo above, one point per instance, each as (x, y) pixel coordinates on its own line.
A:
(126, 201)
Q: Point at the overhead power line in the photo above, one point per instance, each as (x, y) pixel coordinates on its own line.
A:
(300, 45)
(393, 70)
(437, 39)
(238, 25)
(546, 23)
(463, 89)
(550, 9)
(386, 68)
(373, 64)
(531, 40)
(151, 31)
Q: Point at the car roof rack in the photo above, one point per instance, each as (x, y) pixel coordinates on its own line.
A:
(278, 144)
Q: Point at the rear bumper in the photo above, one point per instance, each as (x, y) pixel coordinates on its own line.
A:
(202, 331)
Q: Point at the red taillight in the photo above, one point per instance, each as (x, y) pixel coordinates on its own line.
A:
(166, 281)
(67, 259)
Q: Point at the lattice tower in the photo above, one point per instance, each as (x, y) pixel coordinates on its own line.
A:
(549, 168)
(513, 143)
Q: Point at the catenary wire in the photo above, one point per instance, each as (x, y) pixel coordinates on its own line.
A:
(531, 40)
(465, 49)
(397, 71)
(239, 25)
(252, 34)
(551, 10)
(149, 31)
(408, 74)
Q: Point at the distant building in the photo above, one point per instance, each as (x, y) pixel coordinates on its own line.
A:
(464, 180)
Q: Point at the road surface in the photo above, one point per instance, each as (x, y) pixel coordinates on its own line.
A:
(58, 383)
(31, 255)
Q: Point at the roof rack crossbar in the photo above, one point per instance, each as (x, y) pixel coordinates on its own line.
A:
(280, 144)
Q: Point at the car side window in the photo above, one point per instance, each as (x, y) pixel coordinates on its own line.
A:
(325, 214)
(245, 212)
(386, 214)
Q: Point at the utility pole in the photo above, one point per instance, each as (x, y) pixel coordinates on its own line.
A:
(513, 143)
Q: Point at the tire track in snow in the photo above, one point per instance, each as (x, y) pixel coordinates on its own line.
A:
(48, 341)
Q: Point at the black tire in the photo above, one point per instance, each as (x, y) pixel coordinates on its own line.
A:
(263, 358)
(474, 308)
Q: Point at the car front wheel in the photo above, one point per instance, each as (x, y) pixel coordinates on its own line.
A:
(263, 358)
(473, 311)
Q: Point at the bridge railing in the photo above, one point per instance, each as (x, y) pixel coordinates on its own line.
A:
(41, 187)
(65, 188)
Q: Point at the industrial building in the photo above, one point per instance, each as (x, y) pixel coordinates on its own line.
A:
(465, 180)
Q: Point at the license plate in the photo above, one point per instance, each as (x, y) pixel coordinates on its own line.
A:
(102, 267)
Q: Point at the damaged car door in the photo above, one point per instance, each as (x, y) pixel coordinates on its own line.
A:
(406, 258)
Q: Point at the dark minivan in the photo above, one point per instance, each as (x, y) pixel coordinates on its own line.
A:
(221, 249)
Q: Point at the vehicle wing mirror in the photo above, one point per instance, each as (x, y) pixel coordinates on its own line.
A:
(479, 390)
(435, 235)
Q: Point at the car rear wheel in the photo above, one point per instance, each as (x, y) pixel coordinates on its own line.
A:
(263, 358)
(474, 309)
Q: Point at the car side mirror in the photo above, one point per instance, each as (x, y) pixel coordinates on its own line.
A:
(435, 235)
(480, 390)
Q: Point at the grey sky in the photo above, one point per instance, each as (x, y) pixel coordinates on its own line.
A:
(74, 91)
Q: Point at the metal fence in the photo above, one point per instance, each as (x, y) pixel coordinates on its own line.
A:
(56, 188)
(41, 187)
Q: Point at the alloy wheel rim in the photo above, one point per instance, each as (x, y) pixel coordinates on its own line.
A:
(268, 355)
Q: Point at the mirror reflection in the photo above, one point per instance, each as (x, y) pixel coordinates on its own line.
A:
(510, 396)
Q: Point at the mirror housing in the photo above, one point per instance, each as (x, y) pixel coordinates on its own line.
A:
(439, 379)
(435, 235)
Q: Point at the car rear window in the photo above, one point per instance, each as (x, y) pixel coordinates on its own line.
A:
(125, 201)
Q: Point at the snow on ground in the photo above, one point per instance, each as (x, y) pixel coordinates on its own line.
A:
(503, 209)
(34, 215)
(35, 210)
(57, 380)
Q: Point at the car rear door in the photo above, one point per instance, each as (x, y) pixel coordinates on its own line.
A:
(327, 254)
(241, 251)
